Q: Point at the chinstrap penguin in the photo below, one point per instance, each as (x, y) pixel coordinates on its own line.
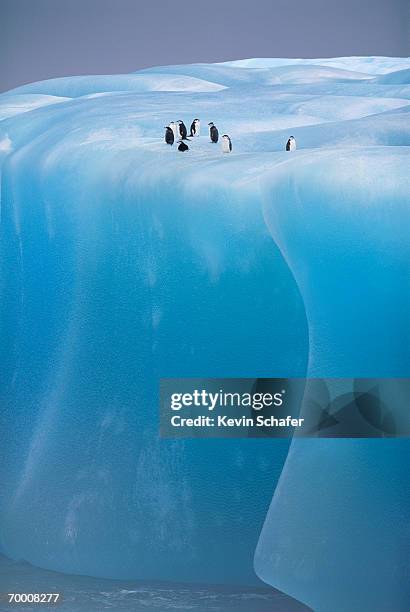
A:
(183, 147)
(195, 127)
(169, 135)
(182, 130)
(213, 132)
(174, 128)
(291, 144)
(226, 144)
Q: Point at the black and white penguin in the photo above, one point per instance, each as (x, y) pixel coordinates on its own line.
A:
(226, 144)
(182, 130)
(291, 144)
(195, 127)
(183, 147)
(169, 135)
(213, 132)
(175, 130)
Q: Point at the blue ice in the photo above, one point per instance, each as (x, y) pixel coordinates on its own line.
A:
(123, 261)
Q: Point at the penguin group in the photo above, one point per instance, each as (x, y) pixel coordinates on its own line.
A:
(177, 131)
(214, 136)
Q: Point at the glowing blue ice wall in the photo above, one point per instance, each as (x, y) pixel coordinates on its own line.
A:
(121, 263)
(337, 532)
(123, 260)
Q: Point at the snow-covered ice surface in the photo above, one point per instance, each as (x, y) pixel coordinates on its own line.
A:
(14, 105)
(124, 260)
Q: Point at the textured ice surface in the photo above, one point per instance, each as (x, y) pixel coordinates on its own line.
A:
(85, 594)
(14, 105)
(83, 85)
(123, 261)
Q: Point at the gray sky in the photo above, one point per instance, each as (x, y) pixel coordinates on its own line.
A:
(40, 39)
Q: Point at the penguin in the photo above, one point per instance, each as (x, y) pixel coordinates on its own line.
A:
(169, 135)
(182, 129)
(182, 146)
(226, 144)
(195, 127)
(291, 144)
(174, 128)
(213, 132)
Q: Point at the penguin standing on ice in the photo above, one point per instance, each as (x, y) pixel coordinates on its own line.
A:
(169, 135)
(183, 147)
(226, 144)
(291, 144)
(174, 128)
(195, 127)
(182, 129)
(213, 132)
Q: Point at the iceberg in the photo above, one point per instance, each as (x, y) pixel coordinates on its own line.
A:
(124, 261)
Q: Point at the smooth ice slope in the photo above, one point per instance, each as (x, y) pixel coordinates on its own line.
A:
(124, 261)
(83, 85)
(364, 64)
(344, 502)
(14, 105)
